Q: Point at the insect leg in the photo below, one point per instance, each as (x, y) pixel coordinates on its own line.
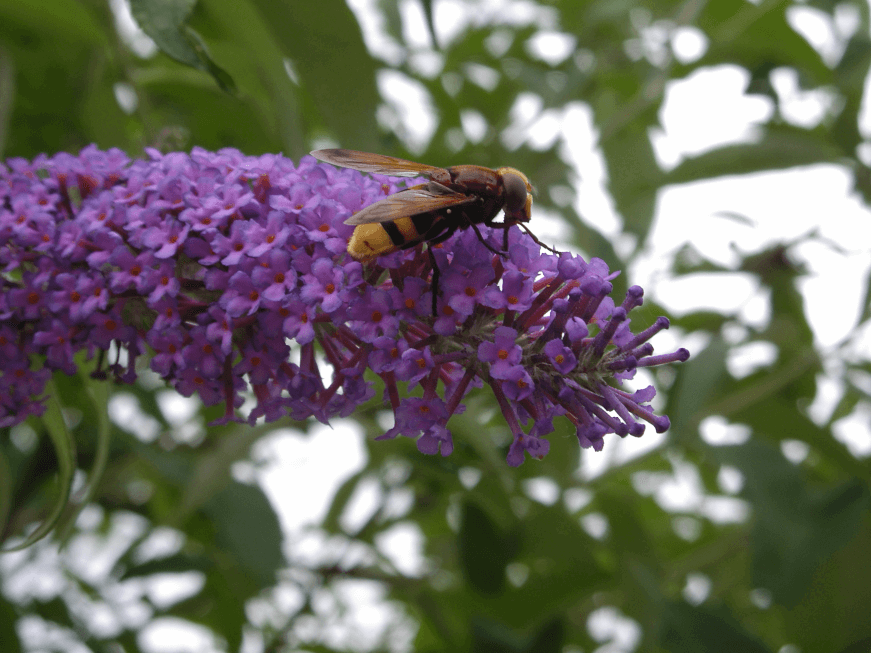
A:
(503, 254)
(434, 284)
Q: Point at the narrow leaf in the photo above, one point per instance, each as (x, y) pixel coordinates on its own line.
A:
(66, 455)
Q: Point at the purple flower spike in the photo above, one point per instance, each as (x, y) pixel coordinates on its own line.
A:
(224, 268)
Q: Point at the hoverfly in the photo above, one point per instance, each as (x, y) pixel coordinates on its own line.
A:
(454, 198)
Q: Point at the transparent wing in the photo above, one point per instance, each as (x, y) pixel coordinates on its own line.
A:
(405, 203)
(379, 164)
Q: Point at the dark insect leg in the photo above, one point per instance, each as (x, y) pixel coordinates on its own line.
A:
(434, 285)
(439, 232)
(503, 254)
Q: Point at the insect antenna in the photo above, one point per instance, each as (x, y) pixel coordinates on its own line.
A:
(535, 238)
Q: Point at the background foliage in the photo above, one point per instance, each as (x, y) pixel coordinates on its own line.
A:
(605, 565)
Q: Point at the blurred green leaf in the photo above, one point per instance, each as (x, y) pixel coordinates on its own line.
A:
(324, 44)
(847, 404)
(484, 550)
(698, 382)
(7, 94)
(8, 634)
(98, 392)
(65, 450)
(165, 22)
(796, 526)
(247, 529)
(776, 419)
(778, 147)
(634, 175)
(758, 37)
(5, 490)
(490, 636)
(220, 605)
(830, 616)
(701, 629)
(180, 562)
(566, 566)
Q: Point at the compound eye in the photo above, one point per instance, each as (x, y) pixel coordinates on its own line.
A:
(515, 193)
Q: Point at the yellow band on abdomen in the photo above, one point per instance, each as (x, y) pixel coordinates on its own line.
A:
(369, 241)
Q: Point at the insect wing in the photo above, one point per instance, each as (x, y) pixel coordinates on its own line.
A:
(405, 203)
(379, 164)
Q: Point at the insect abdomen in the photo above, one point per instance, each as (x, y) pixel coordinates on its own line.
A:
(369, 241)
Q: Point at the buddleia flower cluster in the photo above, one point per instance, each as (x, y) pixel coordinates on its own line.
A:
(228, 274)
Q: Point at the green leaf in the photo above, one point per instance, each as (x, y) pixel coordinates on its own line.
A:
(628, 533)
(484, 551)
(699, 380)
(8, 633)
(56, 610)
(566, 565)
(98, 392)
(831, 615)
(866, 300)
(776, 418)
(709, 321)
(847, 404)
(795, 527)
(324, 42)
(759, 38)
(7, 94)
(429, 16)
(220, 605)
(58, 19)
(6, 489)
(747, 395)
(634, 175)
(50, 53)
(178, 563)
(165, 22)
(780, 147)
(705, 630)
(65, 450)
(550, 638)
(161, 20)
(344, 493)
(494, 637)
(247, 528)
